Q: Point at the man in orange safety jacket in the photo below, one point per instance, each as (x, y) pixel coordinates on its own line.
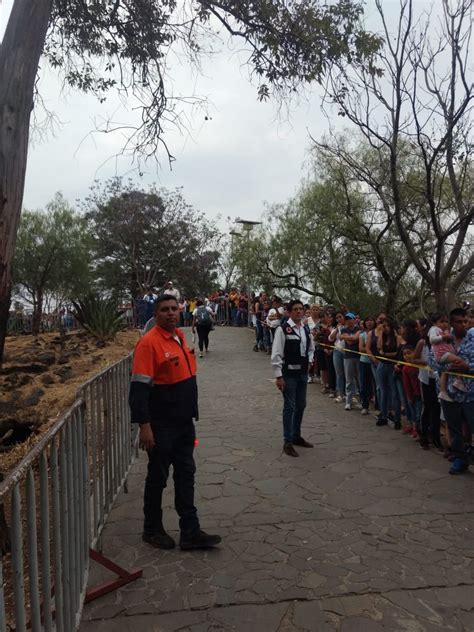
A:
(164, 401)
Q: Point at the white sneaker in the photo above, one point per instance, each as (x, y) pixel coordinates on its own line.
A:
(200, 355)
(317, 380)
(364, 411)
(339, 399)
(331, 396)
(310, 379)
(347, 407)
(443, 395)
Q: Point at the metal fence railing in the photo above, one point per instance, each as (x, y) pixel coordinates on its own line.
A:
(23, 323)
(45, 500)
(109, 438)
(54, 504)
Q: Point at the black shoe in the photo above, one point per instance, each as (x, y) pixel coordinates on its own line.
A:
(289, 449)
(424, 443)
(438, 445)
(159, 540)
(397, 425)
(255, 347)
(381, 421)
(199, 540)
(302, 442)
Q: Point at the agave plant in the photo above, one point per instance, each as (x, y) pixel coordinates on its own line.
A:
(99, 316)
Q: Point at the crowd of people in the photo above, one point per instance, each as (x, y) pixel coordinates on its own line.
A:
(418, 371)
(404, 372)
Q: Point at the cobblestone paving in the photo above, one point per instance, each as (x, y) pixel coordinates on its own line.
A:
(363, 533)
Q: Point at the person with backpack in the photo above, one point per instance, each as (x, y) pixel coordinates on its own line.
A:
(202, 323)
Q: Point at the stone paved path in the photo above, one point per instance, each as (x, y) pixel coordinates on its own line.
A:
(363, 533)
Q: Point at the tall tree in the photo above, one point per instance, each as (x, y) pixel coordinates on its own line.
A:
(144, 238)
(52, 257)
(417, 120)
(126, 44)
(324, 243)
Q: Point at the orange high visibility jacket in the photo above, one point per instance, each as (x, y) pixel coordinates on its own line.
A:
(163, 385)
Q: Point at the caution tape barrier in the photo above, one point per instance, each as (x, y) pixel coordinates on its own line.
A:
(425, 367)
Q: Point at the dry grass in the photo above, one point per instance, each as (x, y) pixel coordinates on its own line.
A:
(58, 396)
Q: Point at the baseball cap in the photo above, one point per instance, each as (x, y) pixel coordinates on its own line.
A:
(350, 316)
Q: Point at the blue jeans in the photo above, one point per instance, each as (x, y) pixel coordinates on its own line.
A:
(385, 384)
(455, 413)
(414, 409)
(366, 386)
(374, 368)
(294, 403)
(259, 335)
(338, 361)
(267, 338)
(351, 373)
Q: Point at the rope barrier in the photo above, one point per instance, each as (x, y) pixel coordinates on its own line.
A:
(425, 367)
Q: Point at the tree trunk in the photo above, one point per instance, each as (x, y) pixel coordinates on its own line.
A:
(37, 314)
(19, 58)
(445, 300)
(391, 299)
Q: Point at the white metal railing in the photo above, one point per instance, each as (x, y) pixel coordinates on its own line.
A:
(109, 438)
(54, 504)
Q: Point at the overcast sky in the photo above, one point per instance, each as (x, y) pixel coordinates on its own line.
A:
(246, 155)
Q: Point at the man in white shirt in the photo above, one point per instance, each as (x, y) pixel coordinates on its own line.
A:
(292, 355)
(169, 290)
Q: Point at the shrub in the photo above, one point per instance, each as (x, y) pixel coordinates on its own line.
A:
(99, 316)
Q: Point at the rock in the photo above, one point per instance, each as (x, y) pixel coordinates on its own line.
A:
(64, 373)
(7, 408)
(34, 397)
(47, 357)
(18, 379)
(64, 358)
(34, 367)
(47, 379)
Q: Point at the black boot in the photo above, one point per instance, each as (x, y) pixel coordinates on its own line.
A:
(159, 540)
(302, 442)
(199, 540)
(289, 449)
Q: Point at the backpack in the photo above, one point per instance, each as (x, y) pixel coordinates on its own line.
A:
(202, 316)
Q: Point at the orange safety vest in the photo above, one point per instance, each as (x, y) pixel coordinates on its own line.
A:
(163, 382)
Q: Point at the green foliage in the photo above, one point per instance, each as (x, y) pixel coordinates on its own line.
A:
(144, 238)
(327, 242)
(52, 258)
(126, 45)
(417, 155)
(99, 316)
